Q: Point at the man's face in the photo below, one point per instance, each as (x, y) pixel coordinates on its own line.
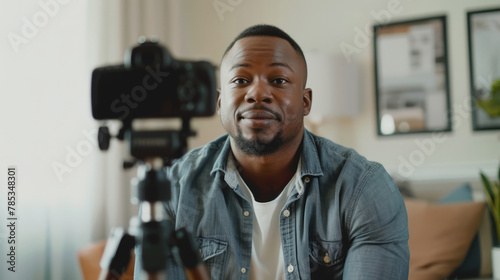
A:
(262, 100)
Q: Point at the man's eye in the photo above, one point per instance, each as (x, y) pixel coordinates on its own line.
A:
(240, 81)
(280, 81)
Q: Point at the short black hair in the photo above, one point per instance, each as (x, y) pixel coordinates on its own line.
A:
(265, 30)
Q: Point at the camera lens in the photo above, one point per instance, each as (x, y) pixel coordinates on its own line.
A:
(187, 92)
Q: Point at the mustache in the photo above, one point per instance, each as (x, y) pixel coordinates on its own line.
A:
(262, 108)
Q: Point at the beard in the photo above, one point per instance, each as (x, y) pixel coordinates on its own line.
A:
(258, 147)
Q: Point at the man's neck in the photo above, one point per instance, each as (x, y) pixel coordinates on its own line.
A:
(267, 176)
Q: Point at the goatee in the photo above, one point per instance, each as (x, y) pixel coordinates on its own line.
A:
(258, 147)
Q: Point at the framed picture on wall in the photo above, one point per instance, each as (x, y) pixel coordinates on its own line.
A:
(484, 61)
(411, 76)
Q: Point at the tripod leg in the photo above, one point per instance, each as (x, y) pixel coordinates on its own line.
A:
(194, 268)
(116, 255)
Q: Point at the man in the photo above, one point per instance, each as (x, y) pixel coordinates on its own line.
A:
(270, 200)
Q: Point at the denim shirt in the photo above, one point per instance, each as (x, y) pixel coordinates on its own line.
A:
(346, 221)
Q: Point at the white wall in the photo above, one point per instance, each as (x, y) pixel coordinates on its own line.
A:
(44, 112)
(323, 25)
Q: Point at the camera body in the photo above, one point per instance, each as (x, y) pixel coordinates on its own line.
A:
(152, 84)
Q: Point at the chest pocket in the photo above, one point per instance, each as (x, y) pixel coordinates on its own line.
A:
(213, 254)
(326, 259)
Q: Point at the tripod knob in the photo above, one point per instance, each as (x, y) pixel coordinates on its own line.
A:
(129, 164)
(103, 138)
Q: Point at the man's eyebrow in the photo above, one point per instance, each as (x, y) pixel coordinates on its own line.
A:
(237, 65)
(275, 64)
(281, 64)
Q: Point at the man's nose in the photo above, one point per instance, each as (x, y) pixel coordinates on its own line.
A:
(259, 91)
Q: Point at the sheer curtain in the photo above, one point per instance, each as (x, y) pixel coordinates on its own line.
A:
(69, 193)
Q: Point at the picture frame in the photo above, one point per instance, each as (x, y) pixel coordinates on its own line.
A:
(484, 65)
(411, 76)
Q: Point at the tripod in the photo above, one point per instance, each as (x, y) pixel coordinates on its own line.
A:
(153, 232)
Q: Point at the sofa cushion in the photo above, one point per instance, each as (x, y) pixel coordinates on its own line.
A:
(440, 236)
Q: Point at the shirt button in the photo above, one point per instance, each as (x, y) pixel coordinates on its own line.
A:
(243, 270)
(307, 180)
(326, 259)
(246, 213)
(290, 268)
(286, 213)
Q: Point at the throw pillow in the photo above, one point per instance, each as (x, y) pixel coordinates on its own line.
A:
(440, 235)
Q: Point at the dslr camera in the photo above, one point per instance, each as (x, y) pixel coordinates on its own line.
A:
(152, 84)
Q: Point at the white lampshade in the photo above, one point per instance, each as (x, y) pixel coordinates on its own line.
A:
(334, 82)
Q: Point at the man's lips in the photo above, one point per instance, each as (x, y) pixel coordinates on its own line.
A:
(258, 118)
(258, 115)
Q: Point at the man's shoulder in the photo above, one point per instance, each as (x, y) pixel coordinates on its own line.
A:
(356, 173)
(338, 160)
(330, 151)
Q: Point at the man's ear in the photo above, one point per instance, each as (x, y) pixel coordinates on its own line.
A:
(218, 101)
(307, 98)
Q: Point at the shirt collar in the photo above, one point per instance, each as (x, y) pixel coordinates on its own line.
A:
(310, 156)
(221, 161)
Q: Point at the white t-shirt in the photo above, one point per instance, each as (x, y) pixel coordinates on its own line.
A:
(267, 253)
